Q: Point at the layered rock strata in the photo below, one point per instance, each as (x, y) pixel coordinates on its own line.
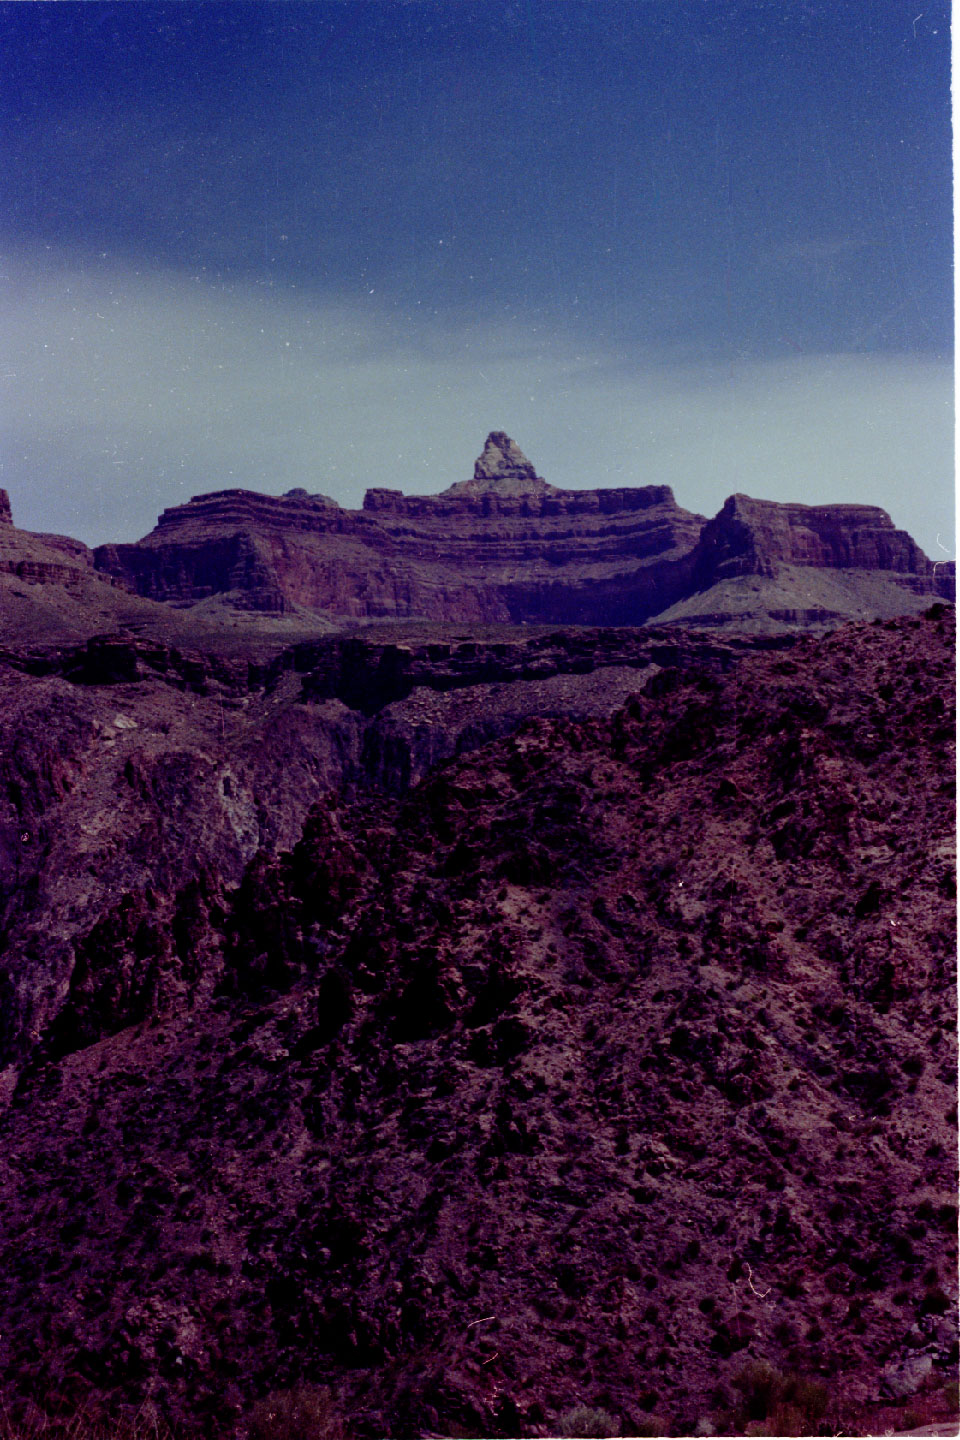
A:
(507, 546)
(759, 537)
(502, 547)
(45, 559)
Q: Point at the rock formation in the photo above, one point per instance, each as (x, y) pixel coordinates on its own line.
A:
(52, 595)
(613, 1057)
(478, 1020)
(40, 559)
(507, 546)
(502, 547)
(760, 565)
(753, 537)
(503, 470)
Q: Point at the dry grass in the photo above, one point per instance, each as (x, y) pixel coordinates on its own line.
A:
(34, 1424)
(772, 1403)
(306, 1412)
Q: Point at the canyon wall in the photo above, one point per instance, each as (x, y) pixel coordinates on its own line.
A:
(506, 546)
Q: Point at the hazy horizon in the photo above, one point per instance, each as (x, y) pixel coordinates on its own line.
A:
(333, 244)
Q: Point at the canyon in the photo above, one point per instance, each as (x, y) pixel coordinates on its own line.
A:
(476, 956)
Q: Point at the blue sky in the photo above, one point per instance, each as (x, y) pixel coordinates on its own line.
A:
(333, 244)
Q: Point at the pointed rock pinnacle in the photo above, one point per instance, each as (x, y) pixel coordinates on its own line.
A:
(503, 470)
(502, 460)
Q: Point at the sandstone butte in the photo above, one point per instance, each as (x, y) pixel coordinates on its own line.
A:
(507, 547)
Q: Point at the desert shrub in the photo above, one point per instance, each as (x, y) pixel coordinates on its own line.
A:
(583, 1421)
(934, 1302)
(772, 1403)
(760, 1387)
(303, 1413)
(784, 1420)
(651, 1428)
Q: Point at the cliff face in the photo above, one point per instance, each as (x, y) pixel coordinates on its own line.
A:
(44, 559)
(494, 550)
(505, 546)
(754, 537)
(761, 566)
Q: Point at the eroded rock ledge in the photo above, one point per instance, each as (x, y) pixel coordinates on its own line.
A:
(506, 546)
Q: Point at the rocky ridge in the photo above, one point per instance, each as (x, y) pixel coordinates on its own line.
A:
(130, 765)
(616, 1052)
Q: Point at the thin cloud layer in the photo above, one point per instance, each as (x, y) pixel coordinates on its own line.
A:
(124, 391)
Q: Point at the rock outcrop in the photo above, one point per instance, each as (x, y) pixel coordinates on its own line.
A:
(506, 546)
(502, 547)
(503, 469)
(755, 537)
(760, 565)
(45, 559)
(51, 595)
(613, 1059)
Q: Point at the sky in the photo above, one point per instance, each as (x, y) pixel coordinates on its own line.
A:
(333, 243)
